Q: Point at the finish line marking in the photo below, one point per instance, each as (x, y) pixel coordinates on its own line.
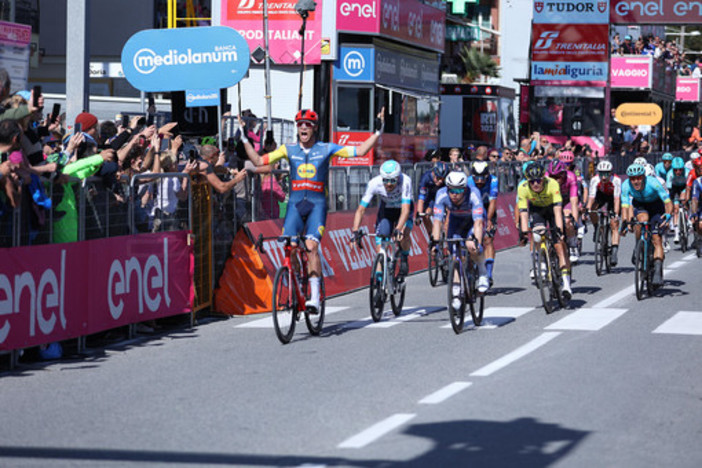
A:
(518, 353)
(445, 393)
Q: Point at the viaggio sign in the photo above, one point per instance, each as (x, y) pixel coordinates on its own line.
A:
(189, 58)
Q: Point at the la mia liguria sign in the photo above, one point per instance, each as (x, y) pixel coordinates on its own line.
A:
(159, 60)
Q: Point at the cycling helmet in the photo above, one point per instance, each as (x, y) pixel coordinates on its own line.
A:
(678, 163)
(557, 167)
(440, 170)
(567, 157)
(640, 161)
(534, 171)
(456, 179)
(635, 170)
(480, 169)
(526, 165)
(307, 115)
(650, 170)
(390, 171)
(604, 166)
(694, 156)
(697, 162)
(667, 157)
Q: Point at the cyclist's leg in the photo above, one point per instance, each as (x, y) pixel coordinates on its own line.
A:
(313, 237)
(571, 238)
(406, 242)
(293, 226)
(489, 246)
(453, 231)
(613, 232)
(676, 210)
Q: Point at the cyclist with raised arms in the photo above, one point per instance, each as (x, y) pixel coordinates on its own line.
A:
(696, 206)
(394, 189)
(488, 187)
(605, 192)
(568, 183)
(309, 175)
(662, 168)
(465, 221)
(540, 203)
(646, 199)
(676, 183)
(429, 185)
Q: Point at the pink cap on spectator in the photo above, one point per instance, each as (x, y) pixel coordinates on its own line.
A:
(16, 157)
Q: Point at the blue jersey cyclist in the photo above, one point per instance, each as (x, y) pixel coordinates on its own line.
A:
(488, 187)
(645, 198)
(464, 208)
(309, 172)
(676, 183)
(394, 220)
(429, 185)
(663, 167)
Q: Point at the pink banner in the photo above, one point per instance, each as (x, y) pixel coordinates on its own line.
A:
(61, 291)
(346, 267)
(409, 21)
(631, 72)
(687, 89)
(284, 40)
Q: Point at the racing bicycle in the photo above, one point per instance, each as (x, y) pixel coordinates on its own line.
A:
(385, 280)
(603, 250)
(463, 272)
(643, 259)
(546, 269)
(438, 261)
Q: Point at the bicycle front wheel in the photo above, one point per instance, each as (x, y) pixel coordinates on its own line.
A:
(600, 250)
(457, 309)
(434, 266)
(544, 283)
(607, 248)
(477, 301)
(284, 305)
(640, 272)
(397, 298)
(377, 289)
(315, 322)
(682, 226)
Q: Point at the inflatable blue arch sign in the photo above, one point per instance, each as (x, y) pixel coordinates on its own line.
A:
(189, 58)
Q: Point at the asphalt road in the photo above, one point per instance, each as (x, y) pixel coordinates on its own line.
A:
(611, 381)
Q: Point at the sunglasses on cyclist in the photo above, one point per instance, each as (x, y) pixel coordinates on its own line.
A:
(536, 181)
(389, 181)
(305, 123)
(637, 178)
(456, 191)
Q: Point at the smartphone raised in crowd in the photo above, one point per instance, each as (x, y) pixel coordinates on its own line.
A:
(78, 128)
(125, 120)
(55, 112)
(192, 155)
(35, 96)
(165, 144)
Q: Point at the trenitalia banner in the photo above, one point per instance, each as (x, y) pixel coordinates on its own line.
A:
(631, 72)
(409, 21)
(687, 89)
(571, 11)
(56, 292)
(655, 12)
(353, 139)
(346, 267)
(284, 40)
(186, 58)
(570, 43)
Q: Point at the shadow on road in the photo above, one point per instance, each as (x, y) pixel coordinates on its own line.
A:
(475, 443)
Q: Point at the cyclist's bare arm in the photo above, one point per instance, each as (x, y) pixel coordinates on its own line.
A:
(373, 139)
(404, 217)
(255, 158)
(558, 215)
(358, 217)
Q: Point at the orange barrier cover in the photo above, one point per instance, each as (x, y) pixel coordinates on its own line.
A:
(245, 287)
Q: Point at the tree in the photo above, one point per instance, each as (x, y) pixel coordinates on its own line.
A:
(477, 65)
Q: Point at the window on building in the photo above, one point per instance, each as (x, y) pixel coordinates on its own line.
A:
(353, 109)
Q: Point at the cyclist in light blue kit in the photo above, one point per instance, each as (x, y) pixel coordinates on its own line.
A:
(309, 175)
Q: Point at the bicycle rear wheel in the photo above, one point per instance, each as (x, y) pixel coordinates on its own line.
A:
(608, 248)
(640, 273)
(544, 280)
(397, 296)
(456, 314)
(682, 226)
(476, 301)
(377, 290)
(650, 267)
(315, 322)
(600, 250)
(556, 275)
(284, 305)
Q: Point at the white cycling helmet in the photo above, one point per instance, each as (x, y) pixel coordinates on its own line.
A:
(640, 160)
(456, 179)
(649, 170)
(694, 155)
(390, 171)
(604, 166)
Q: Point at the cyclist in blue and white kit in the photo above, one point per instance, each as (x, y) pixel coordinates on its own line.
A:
(488, 187)
(394, 212)
(465, 221)
(645, 198)
(309, 176)
(676, 183)
(429, 185)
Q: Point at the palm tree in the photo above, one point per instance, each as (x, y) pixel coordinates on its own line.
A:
(477, 64)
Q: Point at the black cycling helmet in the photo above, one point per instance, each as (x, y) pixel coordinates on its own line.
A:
(534, 171)
(440, 170)
(480, 169)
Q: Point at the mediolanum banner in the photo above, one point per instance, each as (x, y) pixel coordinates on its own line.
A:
(188, 58)
(571, 11)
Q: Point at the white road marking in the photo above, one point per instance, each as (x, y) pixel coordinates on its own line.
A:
(516, 354)
(677, 265)
(415, 314)
(445, 393)
(376, 431)
(587, 319)
(613, 299)
(267, 322)
(689, 257)
(682, 323)
(495, 317)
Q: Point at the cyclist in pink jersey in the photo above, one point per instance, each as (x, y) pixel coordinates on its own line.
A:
(558, 171)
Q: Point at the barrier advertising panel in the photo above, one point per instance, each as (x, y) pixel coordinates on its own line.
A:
(571, 11)
(14, 53)
(655, 12)
(61, 291)
(631, 72)
(570, 42)
(687, 89)
(213, 57)
(284, 40)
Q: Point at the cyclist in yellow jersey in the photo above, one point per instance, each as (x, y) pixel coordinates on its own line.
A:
(540, 203)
